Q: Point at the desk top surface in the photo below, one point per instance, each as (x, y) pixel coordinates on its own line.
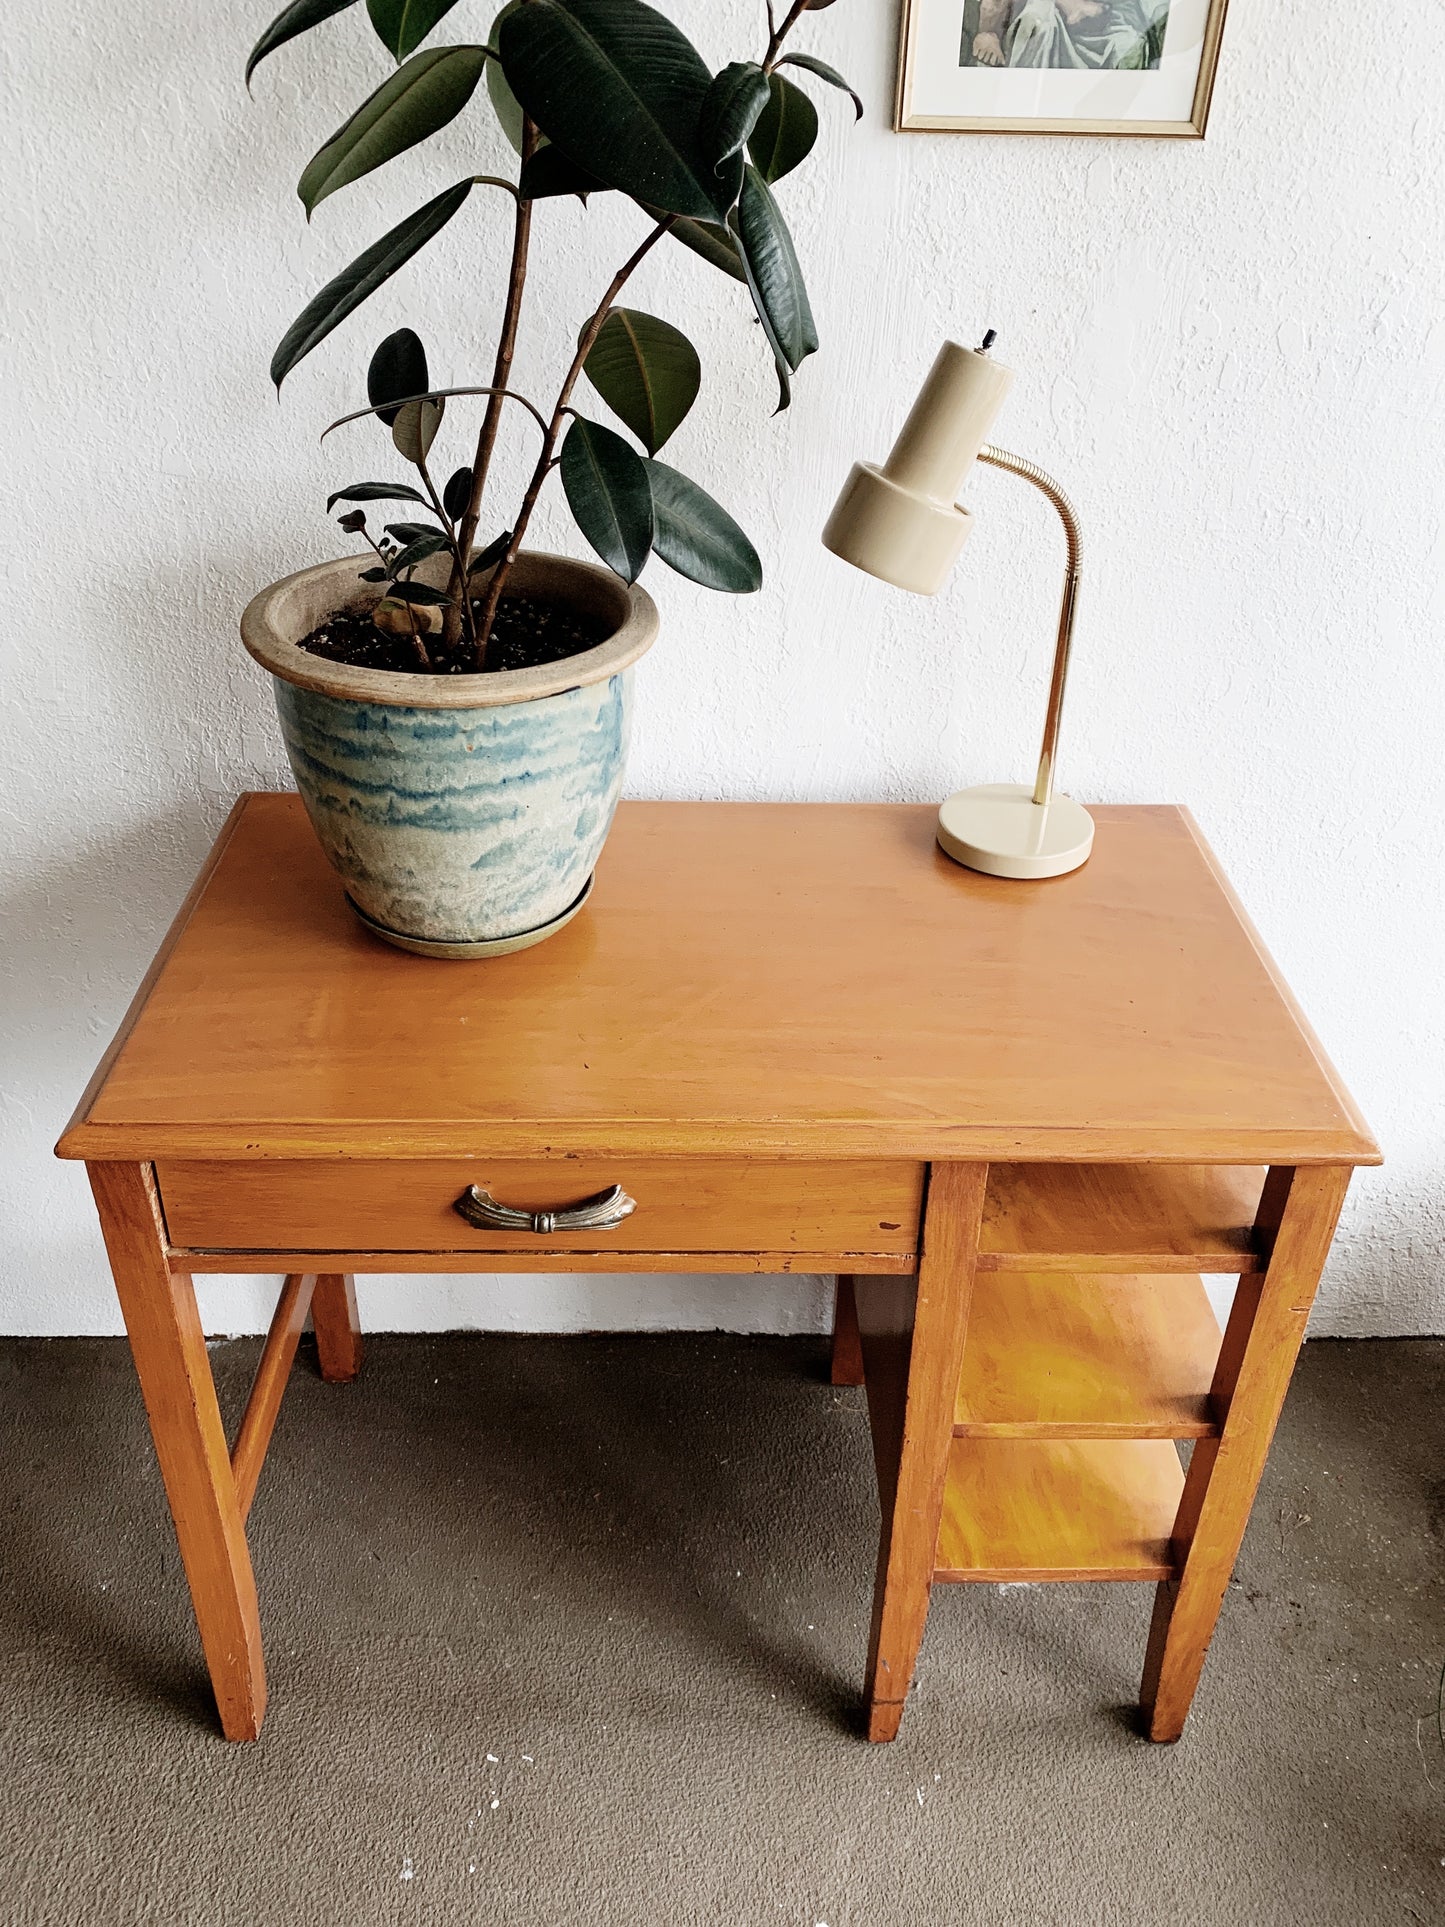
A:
(749, 978)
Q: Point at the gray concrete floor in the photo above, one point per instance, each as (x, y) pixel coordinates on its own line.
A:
(570, 1631)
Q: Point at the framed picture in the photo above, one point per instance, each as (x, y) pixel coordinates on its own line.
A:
(1058, 66)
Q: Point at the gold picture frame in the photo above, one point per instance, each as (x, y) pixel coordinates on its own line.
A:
(930, 28)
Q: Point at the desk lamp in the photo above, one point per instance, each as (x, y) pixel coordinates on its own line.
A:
(903, 523)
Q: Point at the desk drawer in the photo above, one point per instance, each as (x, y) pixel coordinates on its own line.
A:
(701, 1206)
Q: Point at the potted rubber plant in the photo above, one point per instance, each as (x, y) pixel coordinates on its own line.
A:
(455, 705)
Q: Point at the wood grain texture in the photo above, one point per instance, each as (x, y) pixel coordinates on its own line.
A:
(1051, 1355)
(912, 1349)
(693, 1206)
(169, 1349)
(263, 1406)
(846, 1367)
(1044, 1509)
(484, 1263)
(754, 980)
(337, 1325)
(1298, 1215)
(1121, 1217)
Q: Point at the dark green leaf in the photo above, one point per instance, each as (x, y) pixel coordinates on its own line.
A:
(619, 89)
(457, 493)
(491, 555)
(646, 371)
(550, 172)
(415, 428)
(775, 280)
(431, 543)
(824, 72)
(398, 370)
(712, 241)
(354, 521)
(504, 101)
(411, 106)
(730, 110)
(697, 537)
(420, 592)
(410, 531)
(374, 492)
(786, 130)
(402, 25)
(608, 493)
(374, 575)
(365, 275)
(299, 17)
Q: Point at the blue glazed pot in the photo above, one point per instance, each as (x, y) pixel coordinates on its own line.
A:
(458, 810)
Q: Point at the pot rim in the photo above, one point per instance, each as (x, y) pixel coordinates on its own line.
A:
(274, 620)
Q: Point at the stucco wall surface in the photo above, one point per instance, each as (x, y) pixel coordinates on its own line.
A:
(1231, 352)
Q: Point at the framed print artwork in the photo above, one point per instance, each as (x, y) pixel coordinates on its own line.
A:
(1058, 66)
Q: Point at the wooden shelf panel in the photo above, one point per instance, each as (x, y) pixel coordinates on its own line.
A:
(1036, 1509)
(1088, 1355)
(1121, 1217)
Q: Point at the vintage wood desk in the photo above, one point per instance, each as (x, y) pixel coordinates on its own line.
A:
(1017, 1119)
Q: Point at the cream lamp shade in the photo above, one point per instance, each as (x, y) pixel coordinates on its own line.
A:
(904, 523)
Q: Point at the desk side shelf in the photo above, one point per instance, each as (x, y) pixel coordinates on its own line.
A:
(1121, 1218)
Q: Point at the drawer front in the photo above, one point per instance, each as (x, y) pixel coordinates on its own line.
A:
(707, 1205)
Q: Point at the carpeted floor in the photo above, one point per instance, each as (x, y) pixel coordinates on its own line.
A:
(565, 1631)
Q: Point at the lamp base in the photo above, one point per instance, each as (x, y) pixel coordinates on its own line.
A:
(999, 828)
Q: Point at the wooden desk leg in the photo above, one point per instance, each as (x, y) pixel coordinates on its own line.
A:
(847, 1352)
(180, 1398)
(912, 1332)
(336, 1325)
(1297, 1219)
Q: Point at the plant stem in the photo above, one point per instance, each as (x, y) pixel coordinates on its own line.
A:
(458, 563)
(459, 587)
(780, 34)
(549, 441)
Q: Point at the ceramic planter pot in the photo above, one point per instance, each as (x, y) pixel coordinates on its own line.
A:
(464, 814)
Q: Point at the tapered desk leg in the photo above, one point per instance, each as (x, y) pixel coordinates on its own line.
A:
(1298, 1214)
(912, 1333)
(847, 1352)
(180, 1398)
(336, 1325)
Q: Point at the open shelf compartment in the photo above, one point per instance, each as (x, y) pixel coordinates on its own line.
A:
(1088, 1355)
(1059, 1509)
(1121, 1217)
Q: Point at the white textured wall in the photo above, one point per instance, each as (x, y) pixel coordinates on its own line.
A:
(1232, 352)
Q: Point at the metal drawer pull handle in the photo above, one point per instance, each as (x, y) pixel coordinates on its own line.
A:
(602, 1213)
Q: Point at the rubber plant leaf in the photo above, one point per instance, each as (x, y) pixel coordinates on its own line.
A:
(812, 65)
(505, 104)
(431, 543)
(730, 109)
(420, 592)
(551, 172)
(415, 428)
(398, 371)
(343, 295)
(299, 17)
(785, 131)
(696, 536)
(619, 89)
(712, 241)
(491, 555)
(410, 106)
(646, 371)
(374, 492)
(402, 25)
(457, 493)
(775, 279)
(609, 494)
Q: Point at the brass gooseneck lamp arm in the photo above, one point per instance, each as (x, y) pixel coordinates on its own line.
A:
(1045, 484)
